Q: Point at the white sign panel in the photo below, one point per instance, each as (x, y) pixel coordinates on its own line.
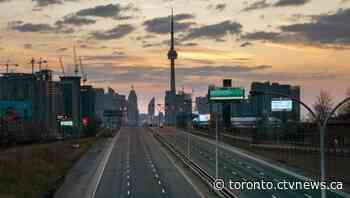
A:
(204, 117)
(66, 123)
(281, 105)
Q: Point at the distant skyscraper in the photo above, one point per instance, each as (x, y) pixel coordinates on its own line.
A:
(151, 110)
(133, 111)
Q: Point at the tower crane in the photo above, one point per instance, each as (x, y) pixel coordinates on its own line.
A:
(62, 66)
(83, 73)
(76, 66)
(7, 65)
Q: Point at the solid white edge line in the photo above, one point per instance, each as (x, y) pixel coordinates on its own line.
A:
(102, 166)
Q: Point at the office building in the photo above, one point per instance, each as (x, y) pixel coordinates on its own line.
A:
(70, 86)
(151, 111)
(202, 105)
(88, 104)
(132, 109)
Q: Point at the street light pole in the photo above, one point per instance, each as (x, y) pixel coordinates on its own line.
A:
(216, 147)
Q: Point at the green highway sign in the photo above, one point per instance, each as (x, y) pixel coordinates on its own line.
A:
(226, 93)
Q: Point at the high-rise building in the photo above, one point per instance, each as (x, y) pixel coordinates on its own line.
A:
(70, 86)
(88, 103)
(261, 104)
(132, 109)
(110, 101)
(151, 111)
(202, 105)
(35, 96)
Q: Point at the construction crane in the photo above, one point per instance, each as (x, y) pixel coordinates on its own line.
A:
(76, 69)
(41, 61)
(83, 73)
(32, 62)
(62, 66)
(7, 65)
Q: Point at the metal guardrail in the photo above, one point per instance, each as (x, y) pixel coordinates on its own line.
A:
(225, 193)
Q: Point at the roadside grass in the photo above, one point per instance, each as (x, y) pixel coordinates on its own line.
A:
(31, 171)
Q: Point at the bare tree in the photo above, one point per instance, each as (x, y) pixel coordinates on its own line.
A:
(323, 105)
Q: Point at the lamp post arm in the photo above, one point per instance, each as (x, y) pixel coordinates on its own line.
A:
(329, 115)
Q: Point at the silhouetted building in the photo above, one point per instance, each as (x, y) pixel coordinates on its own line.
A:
(110, 101)
(70, 86)
(132, 109)
(261, 104)
(88, 103)
(151, 111)
(38, 92)
(202, 105)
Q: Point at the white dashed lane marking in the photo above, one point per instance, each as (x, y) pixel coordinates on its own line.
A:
(308, 196)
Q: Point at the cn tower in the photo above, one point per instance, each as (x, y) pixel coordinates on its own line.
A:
(172, 55)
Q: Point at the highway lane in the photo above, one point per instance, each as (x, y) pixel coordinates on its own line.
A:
(237, 167)
(137, 168)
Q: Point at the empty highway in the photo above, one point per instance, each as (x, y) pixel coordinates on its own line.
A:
(237, 166)
(137, 168)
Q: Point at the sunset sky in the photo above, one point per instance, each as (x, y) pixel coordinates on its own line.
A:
(124, 43)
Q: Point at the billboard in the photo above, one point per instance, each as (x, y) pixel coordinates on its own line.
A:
(226, 93)
(281, 104)
(204, 117)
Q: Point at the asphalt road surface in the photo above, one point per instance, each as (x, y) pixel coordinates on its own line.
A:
(137, 168)
(238, 168)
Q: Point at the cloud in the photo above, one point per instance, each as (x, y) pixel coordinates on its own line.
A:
(329, 31)
(28, 46)
(261, 35)
(115, 11)
(44, 3)
(39, 28)
(116, 33)
(218, 7)
(149, 74)
(161, 25)
(263, 4)
(284, 3)
(190, 44)
(327, 28)
(63, 49)
(75, 20)
(214, 31)
(246, 44)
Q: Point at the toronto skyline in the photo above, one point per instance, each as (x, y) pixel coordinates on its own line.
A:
(124, 43)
